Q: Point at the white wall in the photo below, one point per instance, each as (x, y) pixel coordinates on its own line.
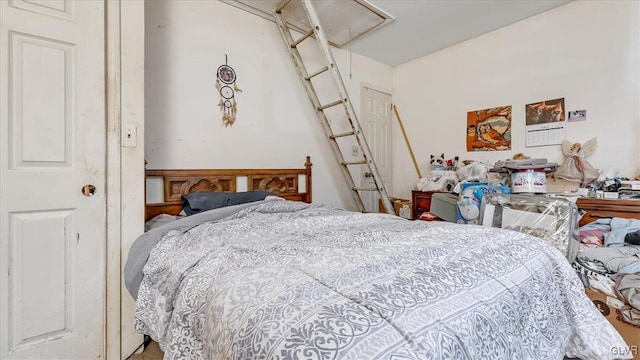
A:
(586, 52)
(276, 126)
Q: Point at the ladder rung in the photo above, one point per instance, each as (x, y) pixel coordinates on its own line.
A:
(361, 162)
(364, 189)
(337, 102)
(295, 43)
(317, 73)
(342, 135)
(283, 3)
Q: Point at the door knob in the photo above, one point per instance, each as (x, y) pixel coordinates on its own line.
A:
(368, 174)
(88, 190)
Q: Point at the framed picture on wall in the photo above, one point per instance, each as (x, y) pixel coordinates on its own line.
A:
(489, 129)
(577, 115)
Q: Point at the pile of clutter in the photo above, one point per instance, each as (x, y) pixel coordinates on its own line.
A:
(459, 187)
(467, 180)
(447, 177)
(610, 186)
(530, 174)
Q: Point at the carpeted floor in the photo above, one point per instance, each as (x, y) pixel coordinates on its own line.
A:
(151, 352)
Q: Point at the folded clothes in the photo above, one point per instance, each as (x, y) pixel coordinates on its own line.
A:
(622, 259)
(628, 290)
(619, 229)
(592, 236)
(593, 232)
(613, 231)
(602, 283)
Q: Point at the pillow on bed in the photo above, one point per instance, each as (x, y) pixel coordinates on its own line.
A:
(197, 202)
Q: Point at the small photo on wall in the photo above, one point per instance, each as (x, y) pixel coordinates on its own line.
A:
(544, 112)
(489, 129)
(578, 115)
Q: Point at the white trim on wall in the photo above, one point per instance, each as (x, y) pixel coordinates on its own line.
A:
(125, 165)
(112, 288)
(132, 112)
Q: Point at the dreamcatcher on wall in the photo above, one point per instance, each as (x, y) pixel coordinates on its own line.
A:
(226, 85)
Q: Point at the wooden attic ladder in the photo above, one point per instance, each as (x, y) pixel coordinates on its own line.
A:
(347, 167)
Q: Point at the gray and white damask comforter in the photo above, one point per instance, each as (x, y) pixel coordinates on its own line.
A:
(288, 280)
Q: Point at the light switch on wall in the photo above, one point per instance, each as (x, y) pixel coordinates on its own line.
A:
(130, 135)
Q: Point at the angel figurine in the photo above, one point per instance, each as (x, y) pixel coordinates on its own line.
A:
(575, 167)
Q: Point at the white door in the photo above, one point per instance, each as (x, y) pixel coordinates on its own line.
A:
(52, 143)
(375, 117)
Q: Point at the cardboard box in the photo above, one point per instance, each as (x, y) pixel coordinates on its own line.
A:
(630, 333)
(402, 207)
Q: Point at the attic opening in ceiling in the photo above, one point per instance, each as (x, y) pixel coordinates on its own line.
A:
(343, 21)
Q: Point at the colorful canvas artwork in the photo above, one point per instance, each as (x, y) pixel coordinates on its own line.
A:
(489, 129)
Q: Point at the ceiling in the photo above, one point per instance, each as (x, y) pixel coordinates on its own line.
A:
(422, 27)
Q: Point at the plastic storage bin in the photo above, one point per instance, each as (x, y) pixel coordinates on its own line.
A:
(551, 219)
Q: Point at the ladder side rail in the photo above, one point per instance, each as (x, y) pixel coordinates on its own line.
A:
(315, 23)
(297, 59)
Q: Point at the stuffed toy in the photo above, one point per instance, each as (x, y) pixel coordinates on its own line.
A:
(575, 167)
(520, 156)
(437, 162)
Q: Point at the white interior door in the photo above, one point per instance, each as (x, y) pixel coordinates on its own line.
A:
(376, 122)
(52, 143)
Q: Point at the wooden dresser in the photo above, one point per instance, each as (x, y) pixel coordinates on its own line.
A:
(596, 208)
(420, 202)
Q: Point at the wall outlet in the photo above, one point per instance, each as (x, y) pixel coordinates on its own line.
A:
(355, 150)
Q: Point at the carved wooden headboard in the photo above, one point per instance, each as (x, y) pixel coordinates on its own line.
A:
(284, 182)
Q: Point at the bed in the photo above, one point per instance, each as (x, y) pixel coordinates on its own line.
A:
(283, 279)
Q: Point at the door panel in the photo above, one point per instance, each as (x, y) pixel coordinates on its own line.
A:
(376, 122)
(40, 93)
(51, 233)
(52, 143)
(56, 8)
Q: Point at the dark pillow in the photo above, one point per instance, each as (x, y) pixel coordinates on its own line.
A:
(197, 202)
